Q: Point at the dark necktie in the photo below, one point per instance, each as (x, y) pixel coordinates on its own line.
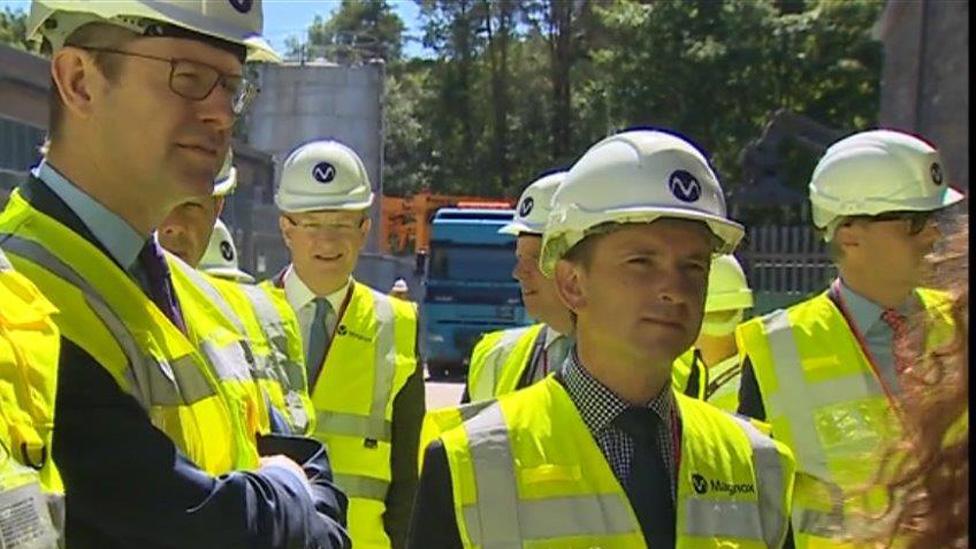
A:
(157, 283)
(319, 335)
(648, 483)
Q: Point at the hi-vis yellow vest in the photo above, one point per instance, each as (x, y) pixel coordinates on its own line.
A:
(527, 473)
(370, 358)
(274, 339)
(29, 346)
(238, 380)
(681, 372)
(825, 402)
(104, 312)
(500, 358)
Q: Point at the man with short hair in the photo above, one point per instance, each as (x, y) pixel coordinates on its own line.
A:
(604, 452)
(511, 359)
(361, 344)
(825, 372)
(150, 449)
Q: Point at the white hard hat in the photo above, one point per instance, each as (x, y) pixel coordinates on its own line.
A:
(400, 285)
(226, 180)
(533, 206)
(636, 176)
(877, 171)
(220, 258)
(323, 175)
(727, 285)
(235, 21)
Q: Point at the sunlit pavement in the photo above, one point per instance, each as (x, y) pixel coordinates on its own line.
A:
(443, 391)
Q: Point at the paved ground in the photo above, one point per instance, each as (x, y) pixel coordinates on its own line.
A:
(443, 392)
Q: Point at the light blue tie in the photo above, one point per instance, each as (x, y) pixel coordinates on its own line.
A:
(318, 340)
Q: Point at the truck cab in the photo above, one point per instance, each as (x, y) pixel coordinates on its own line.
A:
(469, 289)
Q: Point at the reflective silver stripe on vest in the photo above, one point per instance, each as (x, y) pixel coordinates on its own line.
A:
(273, 326)
(4, 263)
(151, 381)
(359, 486)
(229, 361)
(801, 412)
(352, 425)
(770, 486)
(500, 519)
(818, 523)
(204, 285)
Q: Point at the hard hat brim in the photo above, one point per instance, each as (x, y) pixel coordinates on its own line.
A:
(227, 185)
(516, 228)
(227, 272)
(315, 203)
(729, 301)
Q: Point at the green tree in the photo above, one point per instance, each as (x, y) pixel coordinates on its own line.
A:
(358, 30)
(13, 30)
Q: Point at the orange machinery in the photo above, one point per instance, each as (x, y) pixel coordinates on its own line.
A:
(405, 225)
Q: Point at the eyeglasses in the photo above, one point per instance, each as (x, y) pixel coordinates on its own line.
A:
(917, 221)
(196, 81)
(335, 229)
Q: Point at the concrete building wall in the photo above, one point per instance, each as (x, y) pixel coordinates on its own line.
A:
(925, 78)
(299, 103)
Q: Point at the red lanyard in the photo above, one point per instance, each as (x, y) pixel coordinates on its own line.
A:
(838, 299)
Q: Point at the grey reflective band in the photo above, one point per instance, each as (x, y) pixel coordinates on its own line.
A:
(384, 359)
(471, 409)
(818, 523)
(352, 425)
(770, 484)
(500, 519)
(229, 362)
(273, 326)
(151, 382)
(359, 486)
(216, 298)
(4, 263)
(788, 364)
(810, 456)
(556, 517)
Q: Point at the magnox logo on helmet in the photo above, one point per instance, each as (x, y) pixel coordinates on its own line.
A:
(936, 172)
(684, 186)
(242, 6)
(226, 251)
(323, 172)
(526, 208)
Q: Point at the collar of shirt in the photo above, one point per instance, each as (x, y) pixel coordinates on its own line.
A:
(865, 313)
(299, 295)
(597, 404)
(118, 237)
(551, 336)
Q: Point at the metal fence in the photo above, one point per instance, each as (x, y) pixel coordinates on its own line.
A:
(784, 265)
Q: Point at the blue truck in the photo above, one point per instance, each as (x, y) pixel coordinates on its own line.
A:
(469, 289)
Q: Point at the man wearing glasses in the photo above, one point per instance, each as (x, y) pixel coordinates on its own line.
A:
(151, 450)
(360, 346)
(825, 372)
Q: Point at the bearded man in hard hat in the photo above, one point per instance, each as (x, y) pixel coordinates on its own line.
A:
(825, 372)
(506, 360)
(714, 360)
(361, 345)
(150, 449)
(604, 452)
(273, 394)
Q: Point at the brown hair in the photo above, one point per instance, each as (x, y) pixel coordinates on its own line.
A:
(91, 35)
(928, 493)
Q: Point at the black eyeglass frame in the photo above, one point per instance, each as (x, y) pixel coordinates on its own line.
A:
(244, 92)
